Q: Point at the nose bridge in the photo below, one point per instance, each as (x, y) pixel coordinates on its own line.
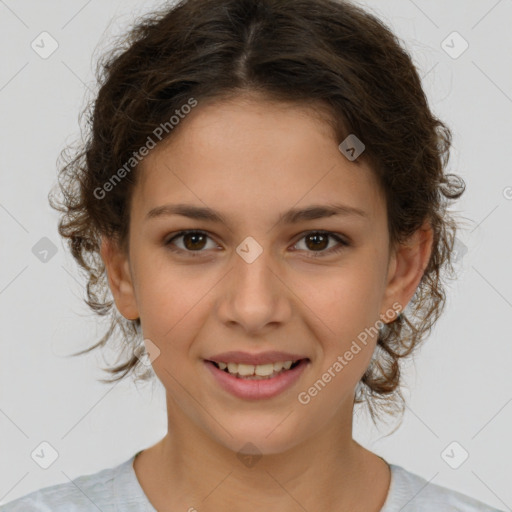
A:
(253, 275)
(256, 295)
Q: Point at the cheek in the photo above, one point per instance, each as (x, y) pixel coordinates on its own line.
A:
(347, 303)
(167, 291)
(172, 304)
(348, 307)
(346, 299)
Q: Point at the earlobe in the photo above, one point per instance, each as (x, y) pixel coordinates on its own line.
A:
(408, 265)
(119, 278)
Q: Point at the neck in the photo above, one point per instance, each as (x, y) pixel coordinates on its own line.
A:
(328, 471)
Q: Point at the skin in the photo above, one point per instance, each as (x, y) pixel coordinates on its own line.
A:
(251, 160)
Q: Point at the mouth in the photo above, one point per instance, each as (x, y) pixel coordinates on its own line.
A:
(256, 382)
(257, 372)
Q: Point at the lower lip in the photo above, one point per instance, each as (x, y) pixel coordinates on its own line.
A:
(257, 389)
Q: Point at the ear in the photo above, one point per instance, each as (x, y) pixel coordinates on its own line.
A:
(119, 278)
(406, 267)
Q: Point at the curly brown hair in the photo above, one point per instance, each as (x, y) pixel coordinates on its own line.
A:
(326, 52)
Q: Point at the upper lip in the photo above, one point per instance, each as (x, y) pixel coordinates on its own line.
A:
(254, 359)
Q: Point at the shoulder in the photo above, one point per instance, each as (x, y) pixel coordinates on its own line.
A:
(412, 493)
(91, 492)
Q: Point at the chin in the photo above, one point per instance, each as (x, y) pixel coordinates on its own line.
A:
(258, 438)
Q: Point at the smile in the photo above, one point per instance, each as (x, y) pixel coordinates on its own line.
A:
(256, 372)
(256, 382)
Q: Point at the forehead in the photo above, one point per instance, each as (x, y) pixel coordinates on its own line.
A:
(254, 155)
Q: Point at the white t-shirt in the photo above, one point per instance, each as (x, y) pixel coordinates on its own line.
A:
(117, 489)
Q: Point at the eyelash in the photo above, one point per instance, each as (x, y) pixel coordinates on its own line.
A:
(316, 254)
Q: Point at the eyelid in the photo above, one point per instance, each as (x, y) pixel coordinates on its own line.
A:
(179, 234)
(342, 240)
(342, 243)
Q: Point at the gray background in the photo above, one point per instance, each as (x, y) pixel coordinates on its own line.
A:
(459, 386)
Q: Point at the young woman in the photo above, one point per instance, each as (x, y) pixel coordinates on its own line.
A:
(264, 187)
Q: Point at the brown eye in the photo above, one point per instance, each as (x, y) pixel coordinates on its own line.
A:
(318, 241)
(192, 242)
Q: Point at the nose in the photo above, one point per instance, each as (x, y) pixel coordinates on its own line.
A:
(254, 295)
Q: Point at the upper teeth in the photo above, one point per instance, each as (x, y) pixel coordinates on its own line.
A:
(259, 369)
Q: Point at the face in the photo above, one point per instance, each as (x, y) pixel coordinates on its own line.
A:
(259, 279)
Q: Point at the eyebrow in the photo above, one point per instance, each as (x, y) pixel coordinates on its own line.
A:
(292, 216)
